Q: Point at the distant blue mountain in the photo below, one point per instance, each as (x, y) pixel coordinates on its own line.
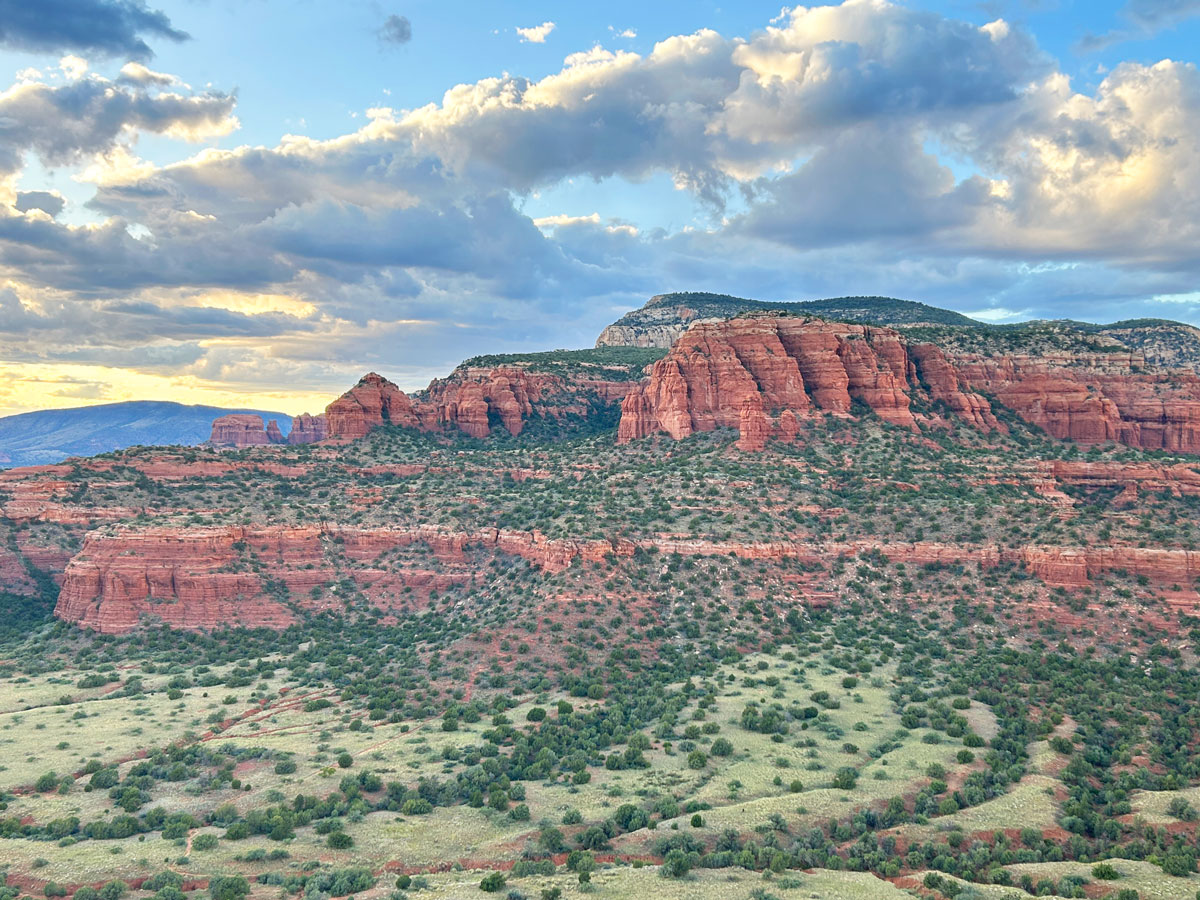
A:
(51, 435)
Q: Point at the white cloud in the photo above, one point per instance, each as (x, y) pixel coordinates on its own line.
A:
(136, 73)
(536, 34)
(73, 67)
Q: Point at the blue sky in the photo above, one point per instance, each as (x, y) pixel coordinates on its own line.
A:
(253, 202)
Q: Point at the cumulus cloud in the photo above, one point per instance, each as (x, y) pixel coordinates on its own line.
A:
(103, 27)
(395, 30)
(63, 123)
(536, 34)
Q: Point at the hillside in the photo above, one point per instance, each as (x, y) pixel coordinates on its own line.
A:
(51, 435)
(665, 316)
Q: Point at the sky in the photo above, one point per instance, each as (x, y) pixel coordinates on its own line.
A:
(253, 202)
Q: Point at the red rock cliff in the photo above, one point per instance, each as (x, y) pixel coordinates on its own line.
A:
(1092, 398)
(241, 430)
(308, 429)
(748, 369)
(469, 400)
(216, 576)
(801, 367)
(374, 401)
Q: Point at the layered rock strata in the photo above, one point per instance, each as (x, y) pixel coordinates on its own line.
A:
(752, 370)
(243, 430)
(264, 576)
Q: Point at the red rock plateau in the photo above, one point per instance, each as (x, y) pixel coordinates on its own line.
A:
(204, 578)
(762, 374)
(768, 376)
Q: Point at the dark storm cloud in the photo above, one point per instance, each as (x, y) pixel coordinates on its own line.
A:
(104, 27)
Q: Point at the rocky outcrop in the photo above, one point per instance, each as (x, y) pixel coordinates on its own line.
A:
(1179, 479)
(308, 429)
(748, 370)
(753, 426)
(207, 578)
(1093, 398)
(242, 430)
(474, 399)
(471, 399)
(373, 402)
(941, 380)
(810, 366)
(665, 317)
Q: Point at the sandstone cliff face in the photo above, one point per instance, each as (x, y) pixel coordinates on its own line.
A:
(374, 401)
(805, 366)
(746, 371)
(201, 578)
(1092, 398)
(470, 400)
(658, 324)
(241, 430)
(308, 429)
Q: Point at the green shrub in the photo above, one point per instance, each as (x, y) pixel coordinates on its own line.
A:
(493, 882)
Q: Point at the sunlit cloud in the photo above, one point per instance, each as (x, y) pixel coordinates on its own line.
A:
(536, 34)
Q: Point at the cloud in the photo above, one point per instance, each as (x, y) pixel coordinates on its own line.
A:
(1146, 18)
(136, 73)
(395, 30)
(536, 34)
(102, 27)
(1155, 15)
(866, 148)
(49, 202)
(90, 115)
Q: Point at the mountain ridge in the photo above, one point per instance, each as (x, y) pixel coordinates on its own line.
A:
(49, 435)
